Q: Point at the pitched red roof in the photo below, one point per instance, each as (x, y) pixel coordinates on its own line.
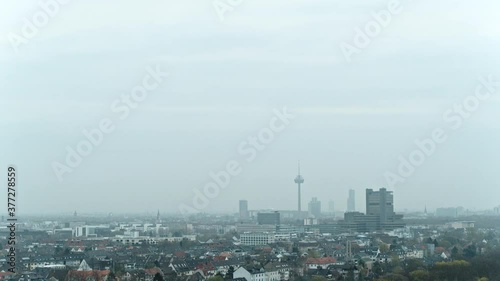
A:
(3, 274)
(325, 260)
(153, 271)
(97, 275)
(205, 267)
(180, 254)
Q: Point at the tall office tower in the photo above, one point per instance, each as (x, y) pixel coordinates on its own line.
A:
(379, 216)
(380, 203)
(244, 210)
(299, 180)
(315, 207)
(331, 207)
(351, 201)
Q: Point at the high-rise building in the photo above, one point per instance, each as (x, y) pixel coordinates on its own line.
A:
(244, 210)
(351, 201)
(379, 215)
(272, 218)
(380, 203)
(315, 207)
(331, 207)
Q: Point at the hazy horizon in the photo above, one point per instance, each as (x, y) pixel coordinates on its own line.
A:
(226, 80)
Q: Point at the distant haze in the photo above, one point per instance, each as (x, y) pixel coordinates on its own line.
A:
(352, 120)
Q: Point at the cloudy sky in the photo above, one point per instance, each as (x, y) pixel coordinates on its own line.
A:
(353, 119)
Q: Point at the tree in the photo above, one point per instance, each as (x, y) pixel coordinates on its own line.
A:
(171, 275)
(58, 251)
(472, 234)
(487, 265)
(393, 277)
(216, 278)
(470, 251)
(318, 278)
(363, 272)
(350, 275)
(395, 261)
(313, 253)
(158, 277)
(111, 276)
(435, 242)
(67, 252)
(248, 259)
(445, 244)
(420, 275)
(414, 264)
(456, 270)
(119, 269)
(384, 248)
(230, 272)
(398, 270)
(377, 269)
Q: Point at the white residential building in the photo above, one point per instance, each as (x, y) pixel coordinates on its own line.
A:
(273, 272)
(250, 276)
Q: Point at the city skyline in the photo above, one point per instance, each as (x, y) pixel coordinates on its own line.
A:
(234, 140)
(357, 198)
(138, 109)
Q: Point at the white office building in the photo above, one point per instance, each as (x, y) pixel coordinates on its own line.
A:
(254, 239)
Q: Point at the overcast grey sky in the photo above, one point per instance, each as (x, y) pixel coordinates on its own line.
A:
(352, 119)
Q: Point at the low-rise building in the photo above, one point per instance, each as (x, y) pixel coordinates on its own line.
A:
(254, 239)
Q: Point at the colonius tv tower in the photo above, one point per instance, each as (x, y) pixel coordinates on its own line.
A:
(299, 180)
